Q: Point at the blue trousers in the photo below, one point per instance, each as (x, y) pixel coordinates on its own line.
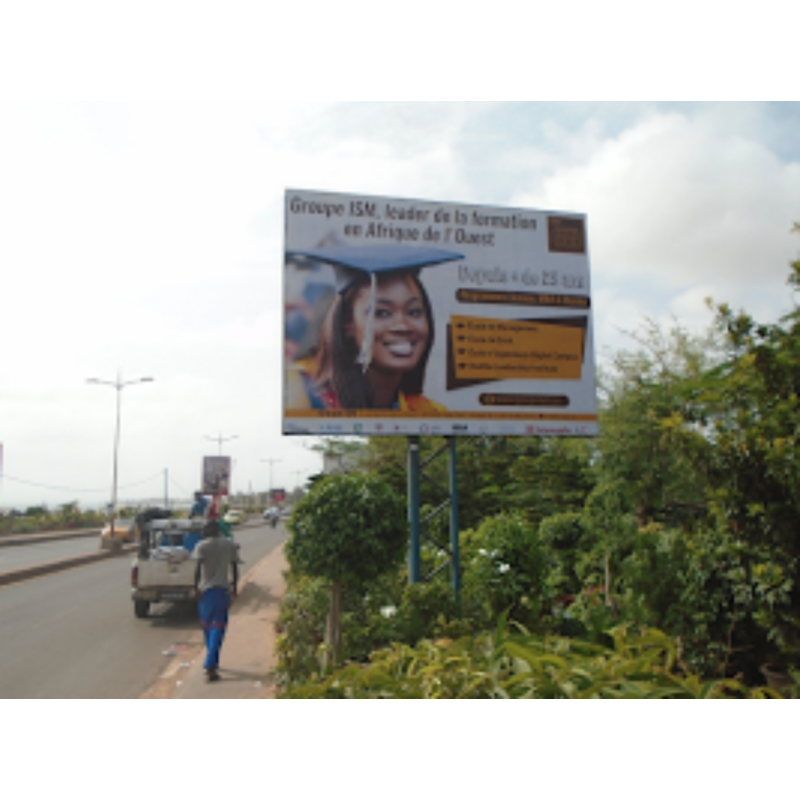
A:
(214, 605)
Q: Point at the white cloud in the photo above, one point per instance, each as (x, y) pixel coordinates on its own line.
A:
(680, 208)
(148, 238)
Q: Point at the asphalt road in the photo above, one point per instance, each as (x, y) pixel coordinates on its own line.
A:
(72, 634)
(40, 552)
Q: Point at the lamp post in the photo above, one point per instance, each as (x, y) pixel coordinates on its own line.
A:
(220, 439)
(119, 385)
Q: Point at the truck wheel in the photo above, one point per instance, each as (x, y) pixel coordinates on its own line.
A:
(140, 608)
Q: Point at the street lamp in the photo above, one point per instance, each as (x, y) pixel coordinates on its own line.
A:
(119, 385)
(220, 439)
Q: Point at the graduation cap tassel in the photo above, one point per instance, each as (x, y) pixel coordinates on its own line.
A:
(365, 356)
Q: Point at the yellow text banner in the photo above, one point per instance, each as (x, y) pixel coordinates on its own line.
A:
(487, 349)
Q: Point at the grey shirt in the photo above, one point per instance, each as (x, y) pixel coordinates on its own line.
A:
(216, 554)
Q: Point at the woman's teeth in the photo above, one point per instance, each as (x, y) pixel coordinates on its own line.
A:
(400, 348)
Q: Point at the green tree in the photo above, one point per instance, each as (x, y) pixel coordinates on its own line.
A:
(343, 452)
(747, 441)
(646, 404)
(551, 476)
(716, 429)
(69, 515)
(349, 529)
(386, 457)
(487, 485)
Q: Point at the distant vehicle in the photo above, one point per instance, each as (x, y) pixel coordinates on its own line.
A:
(234, 516)
(272, 513)
(124, 532)
(127, 531)
(287, 511)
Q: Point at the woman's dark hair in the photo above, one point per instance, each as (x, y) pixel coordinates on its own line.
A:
(337, 369)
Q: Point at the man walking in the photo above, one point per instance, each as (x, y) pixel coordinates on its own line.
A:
(214, 556)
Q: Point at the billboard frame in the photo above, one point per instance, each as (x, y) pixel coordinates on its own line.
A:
(521, 275)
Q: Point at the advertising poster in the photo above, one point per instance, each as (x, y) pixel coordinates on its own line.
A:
(216, 475)
(416, 317)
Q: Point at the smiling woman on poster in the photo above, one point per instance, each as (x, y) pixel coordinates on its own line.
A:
(377, 334)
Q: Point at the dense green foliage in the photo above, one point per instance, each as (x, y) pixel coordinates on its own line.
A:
(348, 528)
(538, 477)
(681, 518)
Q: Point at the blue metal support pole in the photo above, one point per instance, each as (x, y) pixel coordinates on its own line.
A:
(414, 556)
(455, 564)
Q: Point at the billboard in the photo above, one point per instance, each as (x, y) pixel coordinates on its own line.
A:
(415, 317)
(216, 475)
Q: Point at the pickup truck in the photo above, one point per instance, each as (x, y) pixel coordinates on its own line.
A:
(163, 570)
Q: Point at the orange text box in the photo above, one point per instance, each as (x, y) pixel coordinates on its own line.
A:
(498, 349)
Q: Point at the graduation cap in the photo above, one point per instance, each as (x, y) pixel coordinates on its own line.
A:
(352, 263)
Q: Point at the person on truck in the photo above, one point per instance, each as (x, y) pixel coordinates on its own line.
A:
(199, 506)
(217, 557)
(198, 511)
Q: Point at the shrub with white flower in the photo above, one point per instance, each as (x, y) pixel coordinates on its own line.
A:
(509, 564)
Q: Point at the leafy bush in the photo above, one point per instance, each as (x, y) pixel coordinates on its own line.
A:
(24, 525)
(504, 571)
(710, 591)
(519, 665)
(373, 616)
(562, 536)
(301, 628)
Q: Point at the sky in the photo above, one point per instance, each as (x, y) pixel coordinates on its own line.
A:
(145, 240)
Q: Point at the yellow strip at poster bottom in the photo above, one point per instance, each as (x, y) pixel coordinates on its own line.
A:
(388, 413)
